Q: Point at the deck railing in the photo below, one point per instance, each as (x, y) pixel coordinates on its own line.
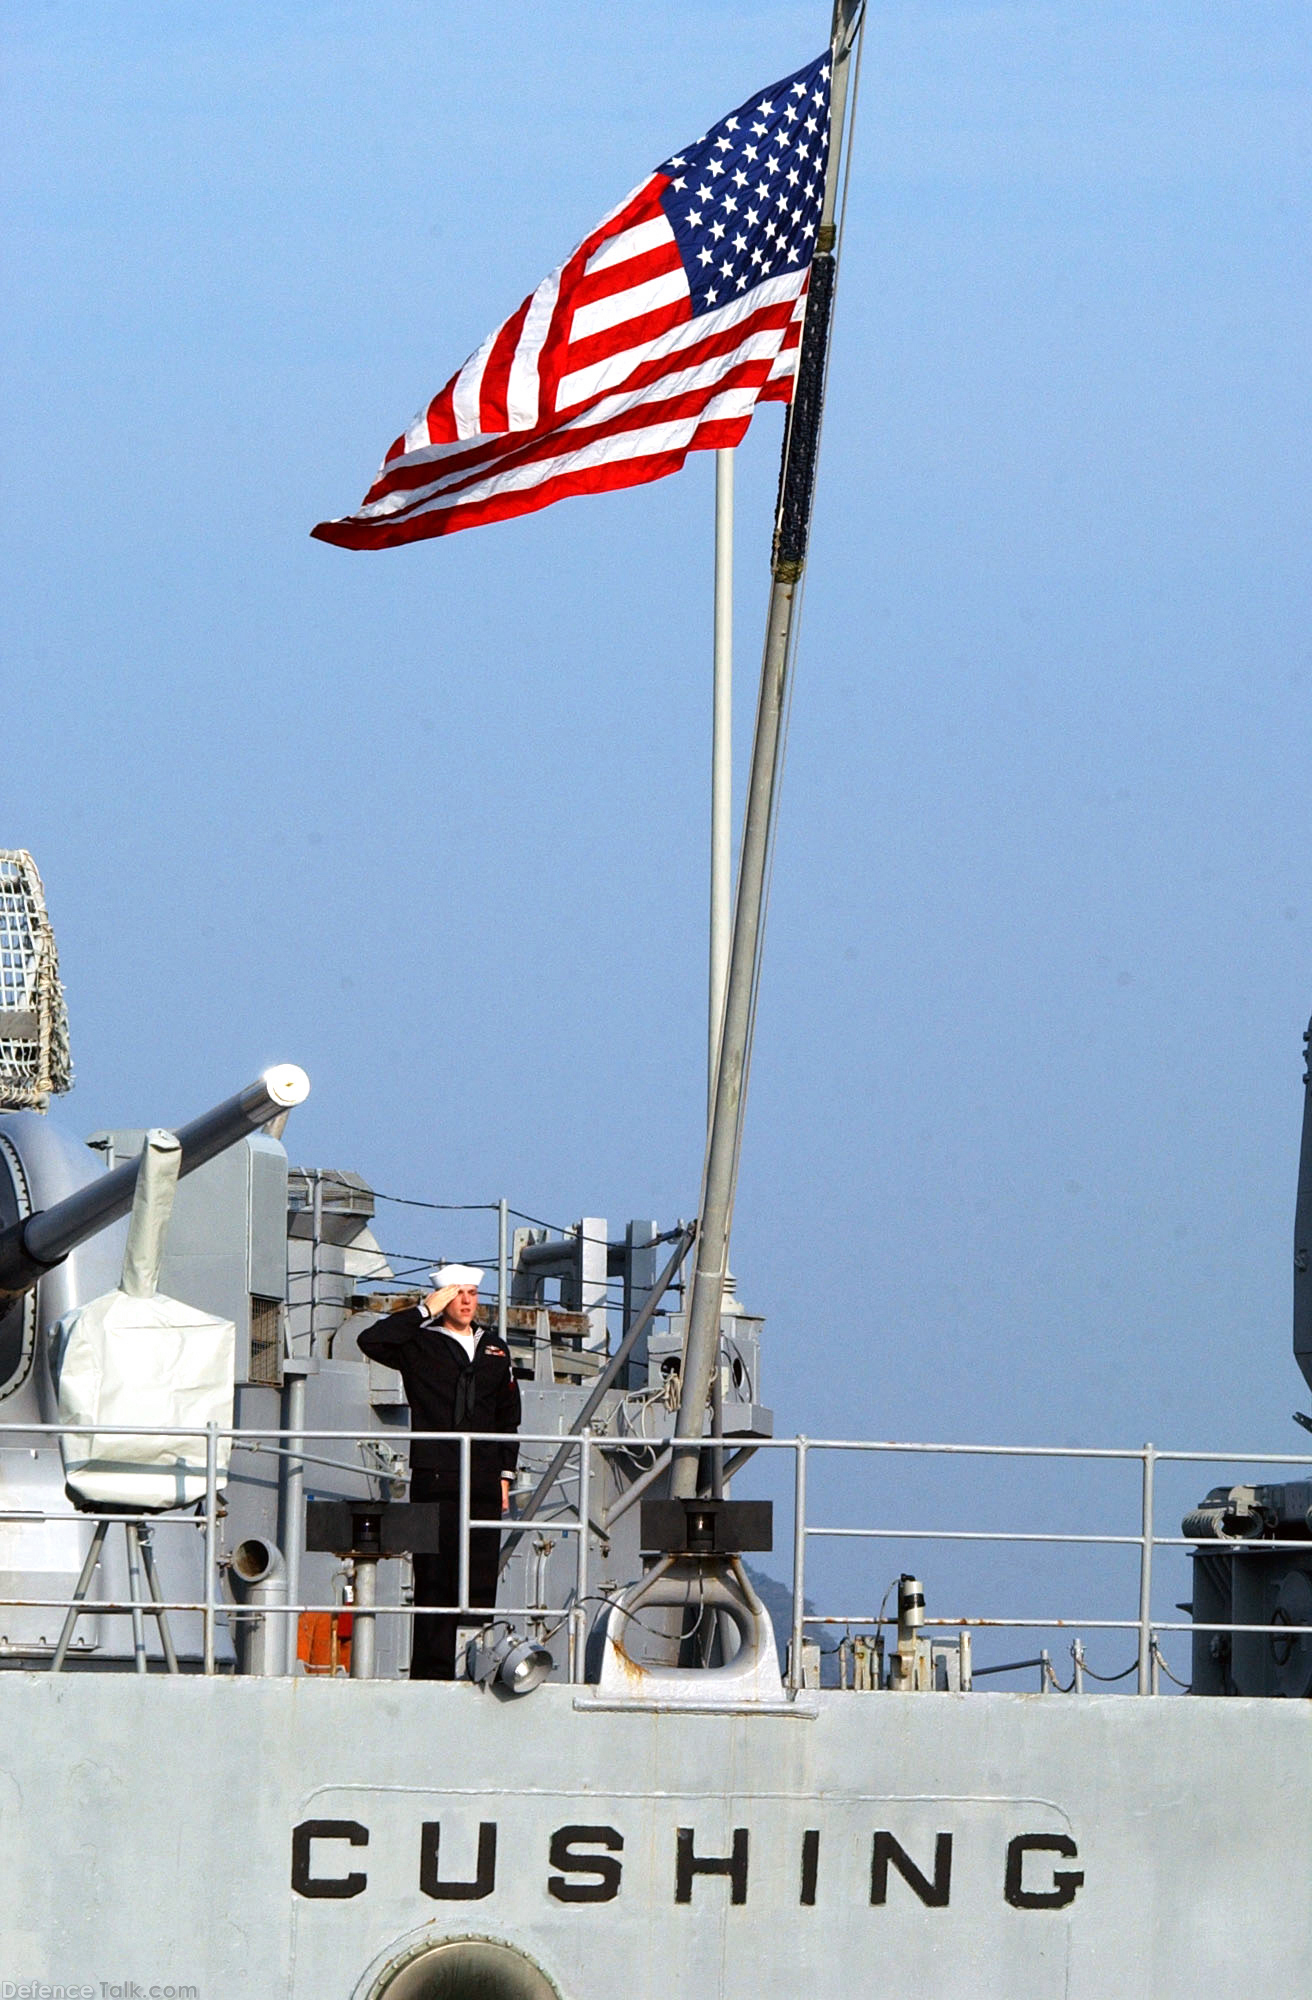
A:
(567, 1518)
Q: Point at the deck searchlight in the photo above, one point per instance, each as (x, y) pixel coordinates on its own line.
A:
(500, 1658)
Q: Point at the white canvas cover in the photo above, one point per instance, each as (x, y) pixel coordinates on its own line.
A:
(143, 1361)
(136, 1357)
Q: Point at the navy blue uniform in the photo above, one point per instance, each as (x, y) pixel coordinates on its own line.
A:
(447, 1391)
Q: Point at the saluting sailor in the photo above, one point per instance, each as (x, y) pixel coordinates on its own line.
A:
(457, 1377)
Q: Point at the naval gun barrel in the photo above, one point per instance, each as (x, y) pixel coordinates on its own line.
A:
(33, 1246)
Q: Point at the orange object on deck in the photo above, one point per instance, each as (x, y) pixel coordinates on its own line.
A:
(323, 1641)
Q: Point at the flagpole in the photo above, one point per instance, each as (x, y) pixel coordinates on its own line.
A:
(792, 526)
(721, 769)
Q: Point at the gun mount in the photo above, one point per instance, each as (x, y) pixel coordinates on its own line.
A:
(36, 1243)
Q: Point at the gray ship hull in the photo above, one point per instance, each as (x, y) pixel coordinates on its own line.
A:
(248, 1838)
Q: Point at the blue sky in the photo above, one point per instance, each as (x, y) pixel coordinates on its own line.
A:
(1021, 1147)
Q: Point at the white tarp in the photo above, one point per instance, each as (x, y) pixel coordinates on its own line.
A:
(143, 1361)
(135, 1357)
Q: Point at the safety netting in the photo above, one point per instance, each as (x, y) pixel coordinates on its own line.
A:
(34, 1055)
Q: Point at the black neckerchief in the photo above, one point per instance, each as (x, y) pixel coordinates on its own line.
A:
(466, 1381)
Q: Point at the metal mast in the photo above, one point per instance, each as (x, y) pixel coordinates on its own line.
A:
(721, 769)
(792, 525)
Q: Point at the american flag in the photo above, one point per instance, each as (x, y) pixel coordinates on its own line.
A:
(659, 335)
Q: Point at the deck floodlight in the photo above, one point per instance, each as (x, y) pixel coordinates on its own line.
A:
(507, 1661)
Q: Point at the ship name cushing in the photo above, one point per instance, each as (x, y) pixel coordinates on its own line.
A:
(584, 1864)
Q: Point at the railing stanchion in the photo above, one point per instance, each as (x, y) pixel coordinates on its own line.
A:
(1146, 1574)
(136, 1590)
(291, 1496)
(211, 1535)
(503, 1249)
(463, 1578)
(799, 1566)
(578, 1620)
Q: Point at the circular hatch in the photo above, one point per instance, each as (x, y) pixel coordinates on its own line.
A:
(463, 1969)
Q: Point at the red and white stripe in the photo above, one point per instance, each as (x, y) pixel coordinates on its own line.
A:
(603, 378)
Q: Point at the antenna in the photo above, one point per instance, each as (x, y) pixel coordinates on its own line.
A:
(34, 1057)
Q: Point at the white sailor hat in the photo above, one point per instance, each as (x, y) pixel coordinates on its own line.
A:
(455, 1275)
